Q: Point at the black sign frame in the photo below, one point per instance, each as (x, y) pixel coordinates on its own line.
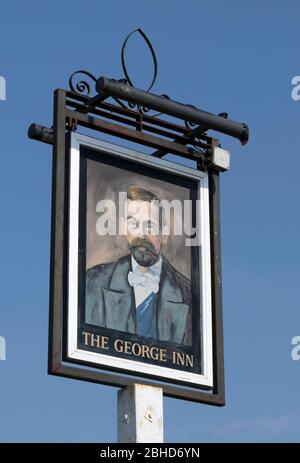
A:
(56, 360)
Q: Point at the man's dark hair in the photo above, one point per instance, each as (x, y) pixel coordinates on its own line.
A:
(135, 193)
(139, 194)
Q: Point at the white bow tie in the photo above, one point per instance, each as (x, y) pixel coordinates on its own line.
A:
(146, 280)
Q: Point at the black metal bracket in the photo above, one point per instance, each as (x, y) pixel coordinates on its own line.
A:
(41, 133)
(142, 102)
(129, 117)
(131, 109)
(71, 123)
(57, 364)
(162, 135)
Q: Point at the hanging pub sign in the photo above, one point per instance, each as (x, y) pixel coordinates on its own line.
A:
(135, 284)
(135, 268)
(135, 272)
(135, 278)
(139, 294)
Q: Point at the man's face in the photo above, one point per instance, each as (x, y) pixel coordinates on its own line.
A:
(144, 231)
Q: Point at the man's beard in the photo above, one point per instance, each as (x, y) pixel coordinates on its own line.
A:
(144, 252)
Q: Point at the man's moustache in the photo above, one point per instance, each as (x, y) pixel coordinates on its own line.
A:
(143, 243)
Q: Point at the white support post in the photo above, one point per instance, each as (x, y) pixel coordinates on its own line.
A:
(140, 414)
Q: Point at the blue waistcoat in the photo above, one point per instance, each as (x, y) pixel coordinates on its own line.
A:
(146, 317)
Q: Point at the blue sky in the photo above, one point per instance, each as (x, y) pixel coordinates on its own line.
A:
(220, 56)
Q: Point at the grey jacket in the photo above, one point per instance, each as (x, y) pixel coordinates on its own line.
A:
(110, 301)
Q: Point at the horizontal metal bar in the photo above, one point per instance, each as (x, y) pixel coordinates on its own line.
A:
(133, 114)
(41, 133)
(133, 135)
(184, 138)
(173, 108)
(45, 135)
(99, 98)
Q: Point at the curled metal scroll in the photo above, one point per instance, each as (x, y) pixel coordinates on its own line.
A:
(142, 33)
(83, 82)
(82, 86)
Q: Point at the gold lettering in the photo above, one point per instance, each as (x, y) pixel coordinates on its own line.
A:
(118, 345)
(141, 350)
(180, 358)
(154, 353)
(127, 347)
(136, 349)
(95, 340)
(183, 359)
(190, 360)
(162, 355)
(145, 351)
(86, 337)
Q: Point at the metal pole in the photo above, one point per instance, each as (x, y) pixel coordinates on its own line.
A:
(106, 86)
(41, 133)
(140, 414)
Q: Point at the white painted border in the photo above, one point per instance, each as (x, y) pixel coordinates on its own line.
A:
(205, 269)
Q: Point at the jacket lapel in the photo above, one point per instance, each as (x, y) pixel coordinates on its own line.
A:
(120, 303)
(172, 311)
(119, 299)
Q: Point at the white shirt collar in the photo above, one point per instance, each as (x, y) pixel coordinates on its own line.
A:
(155, 269)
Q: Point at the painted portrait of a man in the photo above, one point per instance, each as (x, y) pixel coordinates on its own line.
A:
(137, 297)
(141, 292)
